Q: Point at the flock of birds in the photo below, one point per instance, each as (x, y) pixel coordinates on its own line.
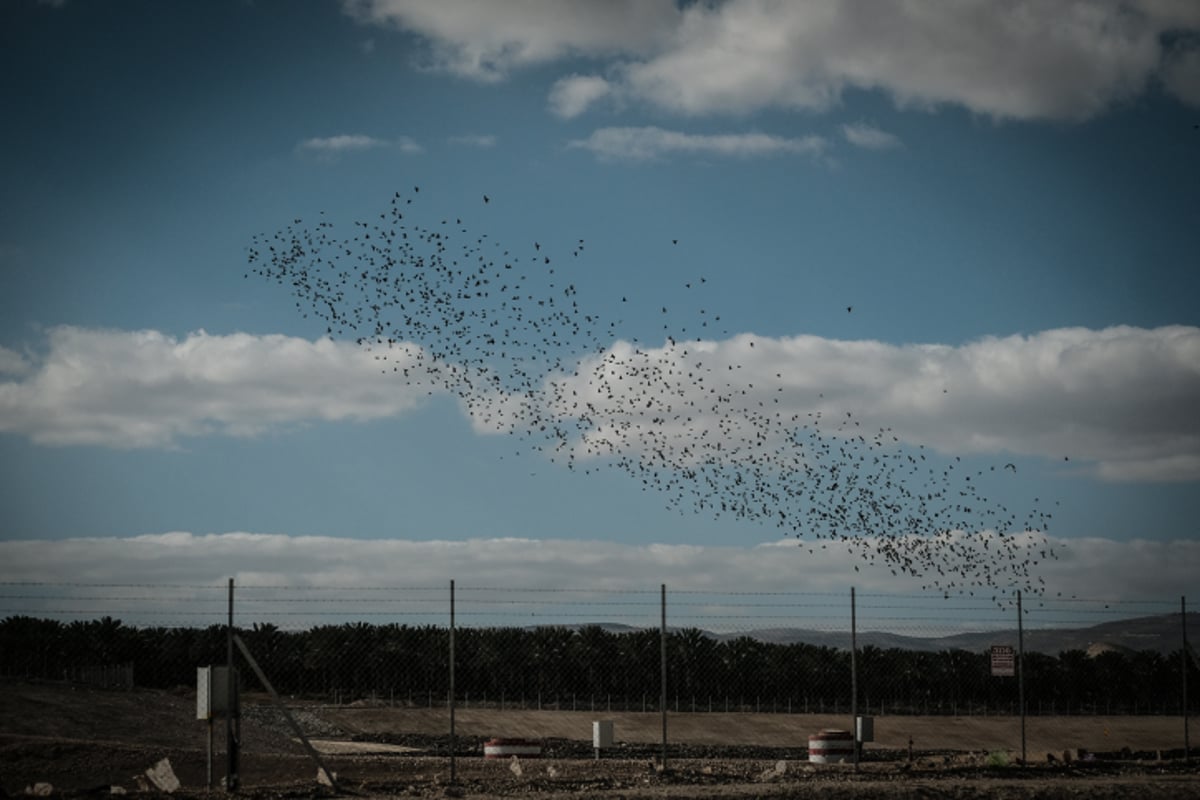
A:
(506, 332)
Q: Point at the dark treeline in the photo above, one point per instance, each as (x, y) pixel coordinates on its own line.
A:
(592, 667)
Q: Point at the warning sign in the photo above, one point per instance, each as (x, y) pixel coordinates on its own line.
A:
(1004, 660)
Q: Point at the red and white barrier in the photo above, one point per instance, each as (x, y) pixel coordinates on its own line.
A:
(830, 747)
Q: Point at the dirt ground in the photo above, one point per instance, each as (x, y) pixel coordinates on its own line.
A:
(84, 741)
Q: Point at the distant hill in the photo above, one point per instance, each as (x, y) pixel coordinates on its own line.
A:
(1160, 633)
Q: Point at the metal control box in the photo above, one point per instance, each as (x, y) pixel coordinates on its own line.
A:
(602, 734)
(212, 692)
(865, 728)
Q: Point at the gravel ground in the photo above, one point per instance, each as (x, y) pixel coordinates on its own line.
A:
(83, 742)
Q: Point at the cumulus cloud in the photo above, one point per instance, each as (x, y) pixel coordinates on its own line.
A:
(12, 362)
(1121, 400)
(508, 573)
(486, 40)
(131, 389)
(869, 137)
(1118, 401)
(572, 95)
(642, 144)
(1007, 60)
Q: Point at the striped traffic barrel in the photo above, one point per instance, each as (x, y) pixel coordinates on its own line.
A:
(830, 746)
(504, 748)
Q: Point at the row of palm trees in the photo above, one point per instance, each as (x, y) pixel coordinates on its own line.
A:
(560, 665)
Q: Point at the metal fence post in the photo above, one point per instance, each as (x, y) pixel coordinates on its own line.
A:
(1021, 672)
(453, 741)
(1184, 656)
(231, 743)
(663, 693)
(854, 674)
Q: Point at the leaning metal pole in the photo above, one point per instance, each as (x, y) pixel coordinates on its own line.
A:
(287, 715)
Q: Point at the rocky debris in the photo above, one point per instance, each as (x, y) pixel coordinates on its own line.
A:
(40, 789)
(313, 725)
(162, 776)
(326, 778)
(775, 772)
(514, 767)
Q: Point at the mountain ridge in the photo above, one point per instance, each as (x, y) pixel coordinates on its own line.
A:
(1161, 633)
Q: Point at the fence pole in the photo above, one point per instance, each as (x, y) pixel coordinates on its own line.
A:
(231, 744)
(1021, 672)
(854, 674)
(453, 741)
(1184, 655)
(663, 699)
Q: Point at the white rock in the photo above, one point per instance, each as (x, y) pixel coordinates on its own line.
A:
(515, 767)
(163, 777)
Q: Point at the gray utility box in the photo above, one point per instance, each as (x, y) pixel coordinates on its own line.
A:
(602, 734)
(212, 692)
(865, 728)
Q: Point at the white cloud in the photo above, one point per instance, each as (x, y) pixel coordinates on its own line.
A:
(341, 143)
(485, 40)
(408, 145)
(330, 148)
(869, 137)
(1020, 59)
(148, 389)
(482, 141)
(641, 144)
(1120, 400)
(12, 362)
(572, 95)
(491, 574)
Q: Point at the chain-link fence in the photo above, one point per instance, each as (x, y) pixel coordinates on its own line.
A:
(810, 656)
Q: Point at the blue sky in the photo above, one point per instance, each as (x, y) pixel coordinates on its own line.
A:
(1003, 193)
